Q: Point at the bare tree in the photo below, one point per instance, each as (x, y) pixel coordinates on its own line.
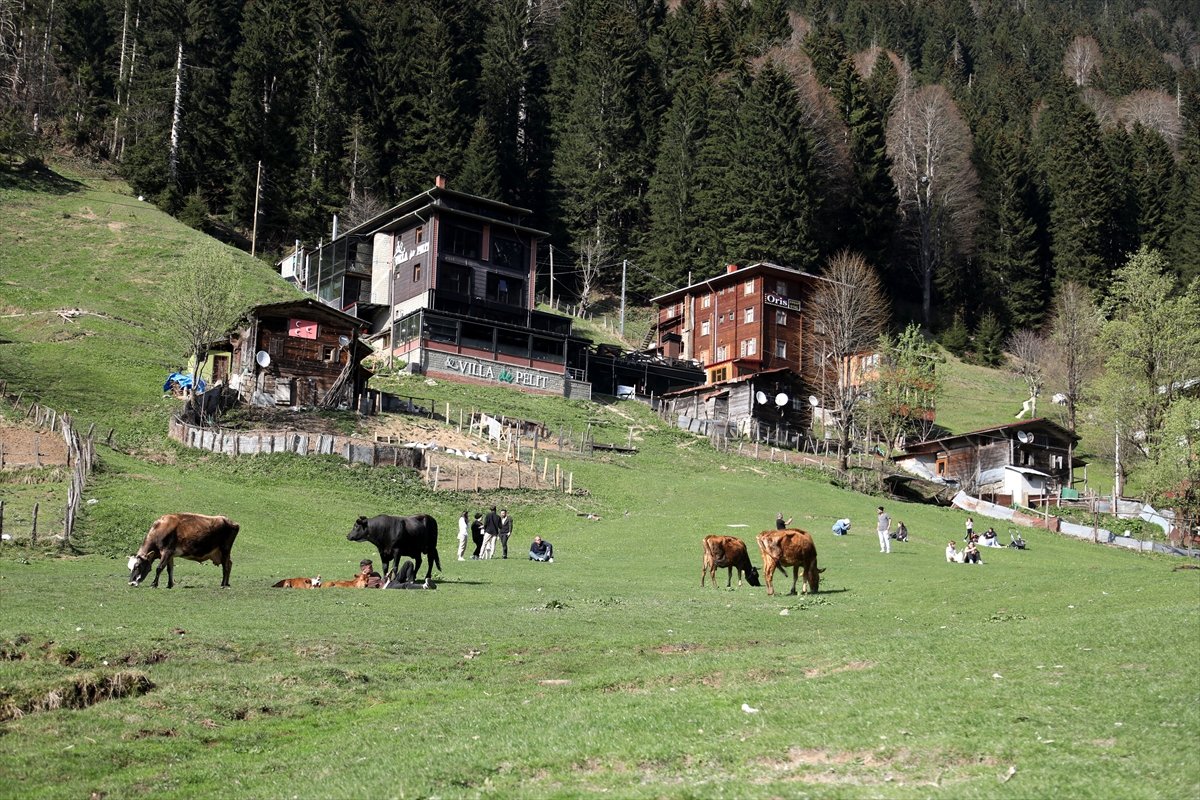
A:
(1028, 349)
(592, 253)
(1156, 111)
(1082, 59)
(929, 143)
(1075, 327)
(848, 311)
(203, 303)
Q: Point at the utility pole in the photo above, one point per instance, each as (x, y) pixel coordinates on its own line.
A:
(551, 277)
(254, 229)
(624, 262)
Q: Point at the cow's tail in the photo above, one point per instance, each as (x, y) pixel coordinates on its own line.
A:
(433, 556)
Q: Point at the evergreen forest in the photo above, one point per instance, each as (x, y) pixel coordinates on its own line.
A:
(980, 154)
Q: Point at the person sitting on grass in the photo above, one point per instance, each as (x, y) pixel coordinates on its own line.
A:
(374, 579)
(952, 554)
(901, 533)
(990, 539)
(841, 527)
(971, 554)
(541, 550)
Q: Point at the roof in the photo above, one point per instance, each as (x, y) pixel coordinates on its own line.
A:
(736, 276)
(305, 305)
(1040, 423)
(715, 388)
(435, 199)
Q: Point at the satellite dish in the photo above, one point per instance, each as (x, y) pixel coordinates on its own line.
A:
(781, 399)
(343, 340)
(1025, 436)
(813, 401)
(262, 358)
(761, 397)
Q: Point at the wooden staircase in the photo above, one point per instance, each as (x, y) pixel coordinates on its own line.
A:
(649, 337)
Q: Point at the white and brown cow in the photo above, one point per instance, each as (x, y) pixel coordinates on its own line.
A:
(790, 548)
(728, 552)
(195, 537)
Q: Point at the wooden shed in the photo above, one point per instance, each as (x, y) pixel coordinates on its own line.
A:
(1016, 464)
(298, 353)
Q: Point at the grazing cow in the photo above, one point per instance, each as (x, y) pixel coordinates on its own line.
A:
(193, 536)
(728, 552)
(359, 581)
(299, 583)
(790, 548)
(396, 537)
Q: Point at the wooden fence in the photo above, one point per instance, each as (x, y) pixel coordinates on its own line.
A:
(81, 458)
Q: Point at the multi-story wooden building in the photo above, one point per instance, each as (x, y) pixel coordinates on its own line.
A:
(744, 321)
(446, 280)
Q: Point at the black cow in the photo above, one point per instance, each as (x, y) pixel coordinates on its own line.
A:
(396, 537)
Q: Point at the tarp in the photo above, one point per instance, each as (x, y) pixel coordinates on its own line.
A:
(181, 380)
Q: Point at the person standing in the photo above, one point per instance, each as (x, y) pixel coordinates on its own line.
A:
(884, 529)
(477, 534)
(781, 523)
(970, 530)
(464, 530)
(506, 529)
(491, 530)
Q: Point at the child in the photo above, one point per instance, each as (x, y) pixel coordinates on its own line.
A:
(952, 554)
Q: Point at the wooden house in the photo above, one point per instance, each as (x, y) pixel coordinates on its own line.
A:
(298, 353)
(446, 281)
(741, 322)
(1021, 463)
(772, 404)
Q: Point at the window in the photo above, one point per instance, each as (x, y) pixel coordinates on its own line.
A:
(721, 318)
(748, 287)
(780, 317)
(719, 375)
(818, 326)
(749, 347)
(706, 301)
(704, 328)
(749, 315)
(509, 253)
(723, 352)
(328, 353)
(455, 279)
(780, 348)
(417, 272)
(781, 288)
(420, 233)
(505, 289)
(465, 241)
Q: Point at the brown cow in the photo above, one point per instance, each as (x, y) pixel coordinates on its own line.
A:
(790, 548)
(299, 583)
(196, 537)
(359, 581)
(728, 552)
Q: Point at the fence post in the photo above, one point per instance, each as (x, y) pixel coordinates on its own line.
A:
(1, 520)
(33, 533)
(499, 476)
(437, 476)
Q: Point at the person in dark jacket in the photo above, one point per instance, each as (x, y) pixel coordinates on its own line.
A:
(541, 550)
(477, 534)
(505, 531)
(781, 523)
(491, 531)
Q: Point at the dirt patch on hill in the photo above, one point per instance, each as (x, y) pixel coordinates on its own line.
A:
(28, 447)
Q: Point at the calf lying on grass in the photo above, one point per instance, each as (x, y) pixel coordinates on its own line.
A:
(359, 581)
(299, 583)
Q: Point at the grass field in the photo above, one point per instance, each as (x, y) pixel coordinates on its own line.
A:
(1067, 670)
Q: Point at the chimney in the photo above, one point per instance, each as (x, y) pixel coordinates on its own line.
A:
(731, 268)
(440, 181)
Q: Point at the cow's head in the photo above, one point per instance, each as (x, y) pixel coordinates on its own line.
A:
(360, 531)
(139, 568)
(814, 580)
(752, 576)
(316, 582)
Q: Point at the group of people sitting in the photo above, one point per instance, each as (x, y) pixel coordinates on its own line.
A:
(405, 578)
(968, 555)
(842, 527)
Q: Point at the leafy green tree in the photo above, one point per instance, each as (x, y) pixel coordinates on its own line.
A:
(1172, 475)
(904, 391)
(1153, 345)
(204, 302)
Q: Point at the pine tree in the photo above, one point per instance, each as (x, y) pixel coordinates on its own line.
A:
(1079, 179)
(989, 341)
(1153, 171)
(1185, 245)
(480, 172)
(771, 182)
(1009, 254)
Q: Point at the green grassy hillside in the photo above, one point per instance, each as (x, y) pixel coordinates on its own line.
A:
(1067, 669)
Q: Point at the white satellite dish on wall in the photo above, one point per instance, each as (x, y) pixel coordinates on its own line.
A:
(761, 397)
(343, 340)
(262, 358)
(1025, 436)
(781, 399)
(813, 401)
